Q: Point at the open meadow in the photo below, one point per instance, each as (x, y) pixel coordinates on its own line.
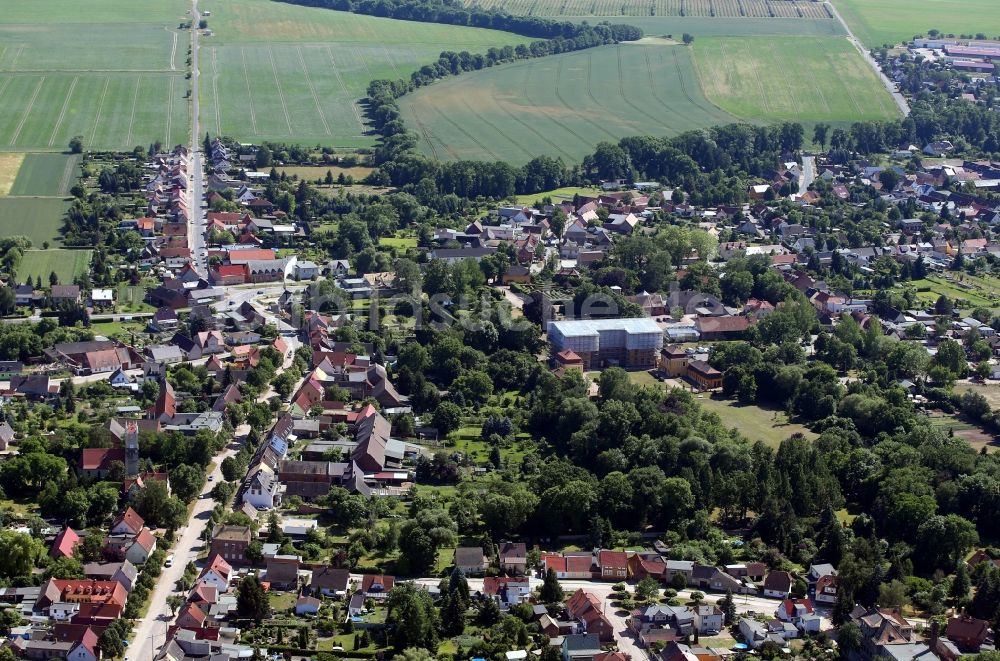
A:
(67, 264)
(275, 71)
(562, 105)
(113, 74)
(35, 201)
(754, 78)
(878, 22)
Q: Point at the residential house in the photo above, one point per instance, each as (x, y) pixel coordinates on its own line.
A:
(704, 375)
(64, 544)
(231, 543)
(127, 523)
(587, 610)
(967, 632)
(800, 613)
(6, 436)
(640, 567)
(307, 606)
(674, 568)
(507, 591)
(613, 565)
(513, 558)
(65, 294)
(330, 581)
(471, 560)
(376, 586)
(825, 590)
(580, 647)
(263, 490)
(778, 584)
(757, 633)
(125, 572)
(283, 571)
(709, 619)
(573, 565)
(141, 547)
(216, 574)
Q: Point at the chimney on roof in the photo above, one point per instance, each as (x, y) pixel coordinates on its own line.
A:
(935, 632)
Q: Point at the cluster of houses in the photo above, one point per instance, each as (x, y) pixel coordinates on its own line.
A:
(66, 617)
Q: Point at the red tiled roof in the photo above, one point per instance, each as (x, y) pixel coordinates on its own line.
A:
(65, 543)
(131, 519)
(99, 458)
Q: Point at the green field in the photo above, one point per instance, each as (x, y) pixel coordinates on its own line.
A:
(38, 218)
(562, 105)
(754, 422)
(117, 79)
(792, 9)
(754, 78)
(67, 264)
(878, 22)
(290, 73)
(46, 174)
(702, 26)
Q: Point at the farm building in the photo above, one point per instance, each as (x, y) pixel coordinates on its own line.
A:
(628, 343)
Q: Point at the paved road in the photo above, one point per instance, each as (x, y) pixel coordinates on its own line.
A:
(196, 228)
(624, 638)
(900, 100)
(149, 633)
(808, 175)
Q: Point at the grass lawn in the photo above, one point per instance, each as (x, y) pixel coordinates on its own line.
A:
(445, 559)
(314, 172)
(293, 73)
(644, 378)
(117, 328)
(281, 601)
(558, 194)
(958, 426)
(400, 242)
(10, 163)
(754, 78)
(878, 22)
(754, 422)
(991, 391)
(67, 264)
(968, 291)
(561, 105)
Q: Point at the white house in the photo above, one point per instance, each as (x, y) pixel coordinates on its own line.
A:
(263, 489)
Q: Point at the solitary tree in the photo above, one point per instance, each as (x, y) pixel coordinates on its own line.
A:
(76, 144)
(551, 592)
(252, 601)
(688, 39)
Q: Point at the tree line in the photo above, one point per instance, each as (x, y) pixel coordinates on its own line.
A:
(438, 11)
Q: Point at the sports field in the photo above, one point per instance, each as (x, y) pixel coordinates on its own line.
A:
(113, 74)
(878, 22)
(562, 105)
(297, 74)
(642, 8)
(757, 79)
(67, 264)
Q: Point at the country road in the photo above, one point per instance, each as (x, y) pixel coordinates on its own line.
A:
(900, 100)
(196, 225)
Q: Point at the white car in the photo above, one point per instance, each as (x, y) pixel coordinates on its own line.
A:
(170, 561)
